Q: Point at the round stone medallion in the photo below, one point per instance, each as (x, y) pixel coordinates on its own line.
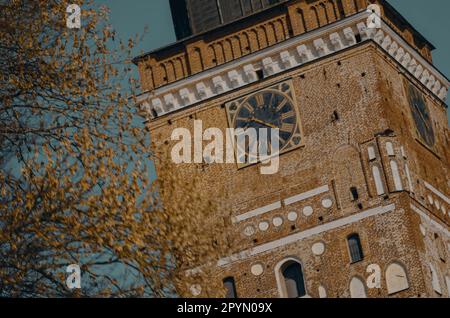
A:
(277, 221)
(308, 211)
(318, 248)
(257, 269)
(264, 226)
(249, 230)
(292, 216)
(327, 203)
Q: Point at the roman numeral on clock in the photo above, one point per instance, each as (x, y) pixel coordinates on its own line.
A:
(248, 107)
(286, 127)
(259, 100)
(287, 115)
(281, 105)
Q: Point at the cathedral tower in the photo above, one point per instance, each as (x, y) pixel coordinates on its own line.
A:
(363, 180)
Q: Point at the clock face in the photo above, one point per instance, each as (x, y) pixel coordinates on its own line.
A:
(270, 108)
(421, 115)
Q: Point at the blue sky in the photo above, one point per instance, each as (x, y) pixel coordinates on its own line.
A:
(129, 17)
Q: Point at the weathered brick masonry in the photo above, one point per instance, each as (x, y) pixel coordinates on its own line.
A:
(359, 137)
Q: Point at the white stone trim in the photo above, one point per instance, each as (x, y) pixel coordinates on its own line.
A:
(287, 55)
(437, 192)
(425, 216)
(378, 182)
(306, 195)
(257, 212)
(306, 234)
(396, 175)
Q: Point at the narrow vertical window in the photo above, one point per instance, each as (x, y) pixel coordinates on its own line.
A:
(355, 248)
(230, 287)
(354, 193)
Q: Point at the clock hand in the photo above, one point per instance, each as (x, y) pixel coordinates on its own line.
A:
(256, 120)
(425, 122)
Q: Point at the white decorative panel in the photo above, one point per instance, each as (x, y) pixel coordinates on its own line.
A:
(171, 102)
(287, 59)
(322, 292)
(220, 86)
(408, 176)
(270, 66)
(250, 73)
(378, 182)
(336, 41)
(305, 53)
(396, 279)
(371, 153)
(390, 149)
(321, 47)
(396, 176)
(186, 96)
(349, 36)
(357, 288)
(203, 91)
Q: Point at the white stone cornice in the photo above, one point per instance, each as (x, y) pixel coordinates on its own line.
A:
(288, 55)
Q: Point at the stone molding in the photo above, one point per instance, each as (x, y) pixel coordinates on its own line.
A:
(288, 55)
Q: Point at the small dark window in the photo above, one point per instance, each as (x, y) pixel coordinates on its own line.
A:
(230, 286)
(355, 248)
(358, 38)
(260, 74)
(293, 280)
(355, 194)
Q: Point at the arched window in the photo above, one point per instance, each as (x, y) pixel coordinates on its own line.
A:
(293, 280)
(230, 286)
(357, 288)
(396, 279)
(355, 248)
(290, 279)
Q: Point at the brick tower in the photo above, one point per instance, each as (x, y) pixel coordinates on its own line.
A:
(360, 204)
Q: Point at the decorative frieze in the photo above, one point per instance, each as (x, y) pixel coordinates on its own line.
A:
(287, 55)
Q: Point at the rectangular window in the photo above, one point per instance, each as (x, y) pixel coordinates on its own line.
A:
(230, 286)
(355, 248)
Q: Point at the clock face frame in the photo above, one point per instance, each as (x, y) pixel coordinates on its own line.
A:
(271, 107)
(421, 115)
